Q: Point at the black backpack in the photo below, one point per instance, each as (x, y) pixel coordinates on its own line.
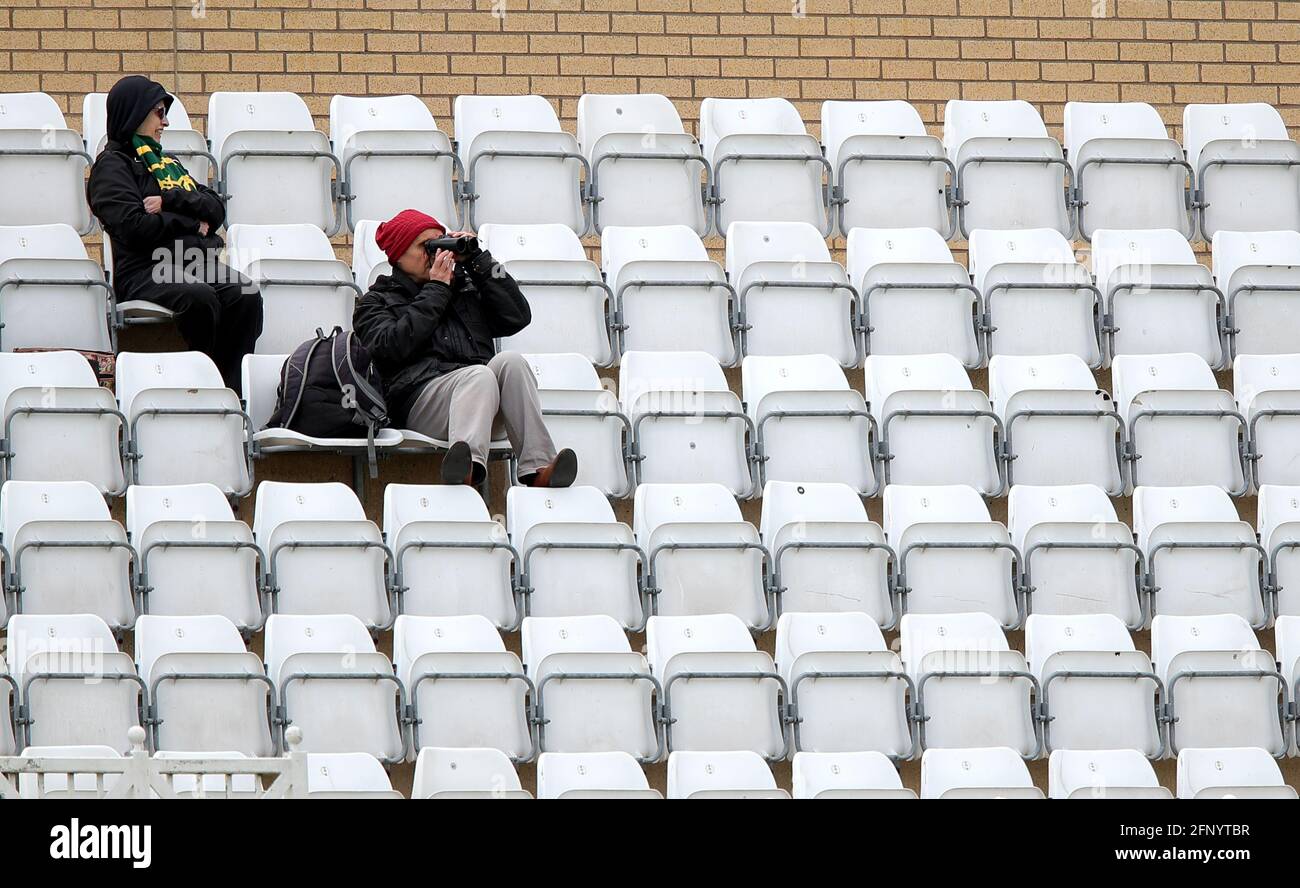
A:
(330, 389)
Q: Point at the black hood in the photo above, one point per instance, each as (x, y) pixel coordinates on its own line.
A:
(129, 103)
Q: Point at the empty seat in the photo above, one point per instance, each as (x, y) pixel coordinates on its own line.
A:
(442, 773)
(570, 302)
(827, 556)
(668, 294)
(1060, 428)
(9, 736)
(846, 775)
(1157, 298)
(766, 167)
(1222, 689)
(1128, 173)
(393, 156)
(591, 775)
(990, 773)
(65, 785)
(583, 415)
(368, 261)
(1182, 429)
(1098, 690)
(576, 559)
(181, 140)
(1286, 636)
(334, 685)
(811, 425)
(449, 557)
(702, 556)
(935, 427)
(1247, 168)
(185, 426)
(465, 689)
(275, 167)
(59, 423)
(721, 775)
(52, 295)
(973, 690)
(1201, 558)
(75, 686)
(687, 424)
(1267, 391)
(791, 298)
(322, 555)
(889, 173)
(195, 558)
(1230, 773)
(519, 166)
(952, 557)
(848, 691)
(1277, 513)
(66, 553)
(720, 691)
(1038, 299)
(304, 288)
(645, 168)
(42, 164)
(1102, 774)
(347, 775)
(1259, 274)
(1078, 557)
(915, 298)
(1010, 172)
(207, 692)
(593, 693)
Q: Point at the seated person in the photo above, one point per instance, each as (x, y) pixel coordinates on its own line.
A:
(163, 229)
(429, 328)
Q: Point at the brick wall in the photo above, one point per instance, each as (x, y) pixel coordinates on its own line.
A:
(1166, 52)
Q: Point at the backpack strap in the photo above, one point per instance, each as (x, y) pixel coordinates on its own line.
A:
(358, 415)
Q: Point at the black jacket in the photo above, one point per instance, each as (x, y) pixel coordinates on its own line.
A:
(119, 182)
(417, 333)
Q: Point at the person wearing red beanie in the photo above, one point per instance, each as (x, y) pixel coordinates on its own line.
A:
(430, 328)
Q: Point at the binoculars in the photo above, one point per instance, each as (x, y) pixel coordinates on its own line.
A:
(465, 245)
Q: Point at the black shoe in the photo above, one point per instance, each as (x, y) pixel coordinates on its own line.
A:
(457, 466)
(559, 472)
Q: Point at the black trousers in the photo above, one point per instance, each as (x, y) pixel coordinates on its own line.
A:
(217, 310)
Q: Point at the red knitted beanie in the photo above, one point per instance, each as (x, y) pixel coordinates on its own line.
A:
(396, 235)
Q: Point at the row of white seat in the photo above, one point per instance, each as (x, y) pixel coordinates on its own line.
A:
(833, 686)
(633, 163)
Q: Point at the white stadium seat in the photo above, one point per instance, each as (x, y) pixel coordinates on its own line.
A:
(180, 139)
(645, 168)
(721, 775)
(275, 166)
(1247, 168)
(368, 261)
(791, 298)
(583, 415)
(593, 693)
(1010, 173)
(1038, 299)
(1221, 688)
(591, 775)
(1278, 528)
(1259, 275)
(575, 558)
(1230, 773)
(811, 425)
(393, 156)
(915, 298)
(42, 164)
(1157, 298)
(888, 172)
(766, 167)
(52, 295)
(334, 685)
(720, 691)
(668, 294)
(1102, 774)
(519, 166)
(1286, 635)
(8, 697)
(952, 557)
(996, 772)
(442, 773)
(846, 775)
(59, 423)
(1202, 559)
(1182, 428)
(1128, 173)
(185, 426)
(1060, 428)
(347, 775)
(935, 427)
(57, 785)
(465, 689)
(1267, 391)
(1098, 690)
(195, 558)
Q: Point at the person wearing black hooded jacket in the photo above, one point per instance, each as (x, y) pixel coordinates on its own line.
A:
(163, 229)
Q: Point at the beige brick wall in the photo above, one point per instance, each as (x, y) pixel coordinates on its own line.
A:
(1167, 52)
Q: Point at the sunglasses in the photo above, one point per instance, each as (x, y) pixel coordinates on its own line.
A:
(160, 112)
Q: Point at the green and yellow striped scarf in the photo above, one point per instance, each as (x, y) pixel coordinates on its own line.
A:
(168, 172)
